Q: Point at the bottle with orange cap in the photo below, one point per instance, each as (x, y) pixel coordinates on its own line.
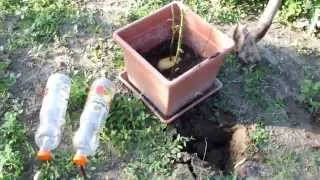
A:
(86, 140)
(52, 114)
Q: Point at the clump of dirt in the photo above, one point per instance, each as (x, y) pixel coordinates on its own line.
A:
(188, 58)
(220, 142)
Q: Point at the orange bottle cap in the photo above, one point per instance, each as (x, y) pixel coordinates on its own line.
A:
(44, 155)
(80, 159)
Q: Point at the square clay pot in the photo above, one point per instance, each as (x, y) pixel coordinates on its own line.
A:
(168, 96)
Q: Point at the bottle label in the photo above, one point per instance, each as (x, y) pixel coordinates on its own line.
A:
(101, 94)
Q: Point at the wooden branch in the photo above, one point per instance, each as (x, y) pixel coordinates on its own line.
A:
(265, 20)
(246, 37)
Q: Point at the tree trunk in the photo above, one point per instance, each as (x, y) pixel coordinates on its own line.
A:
(246, 39)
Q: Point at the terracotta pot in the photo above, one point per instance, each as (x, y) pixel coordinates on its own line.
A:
(168, 96)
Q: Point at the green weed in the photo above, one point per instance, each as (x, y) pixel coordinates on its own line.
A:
(224, 12)
(97, 52)
(232, 66)
(131, 129)
(310, 94)
(285, 164)
(227, 177)
(39, 21)
(254, 85)
(126, 120)
(14, 147)
(158, 157)
(294, 9)
(117, 57)
(290, 10)
(61, 167)
(314, 162)
(4, 66)
(7, 6)
(231, 11)
(103, 51)
(6, 78)
(275, 112)
(78, 93)
(259, 136)
(143, 7)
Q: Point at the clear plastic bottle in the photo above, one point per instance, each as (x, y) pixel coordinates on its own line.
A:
(52, 114)
(96, 110)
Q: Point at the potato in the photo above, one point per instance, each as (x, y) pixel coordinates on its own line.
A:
(166, 63)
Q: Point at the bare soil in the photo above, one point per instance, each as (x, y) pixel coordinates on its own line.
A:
(219, 140)
(210, 138)
(316, 117)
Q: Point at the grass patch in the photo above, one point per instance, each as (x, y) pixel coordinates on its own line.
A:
(106, 54)
(6, 77)
(117, 57)
(227, 177)
(232, 65)
(105, 50)
(251, 79)
(14, 146)
(61, 167)
(275, 112)
(292, 10)
(310, 94)
(227, 11)
(259, 136)
(231, 11)
(97, 52)
(144, 7)
(314, 162)
(78, 92)
(133, 130)
(254, 84)
(37, 22)
(285, 164)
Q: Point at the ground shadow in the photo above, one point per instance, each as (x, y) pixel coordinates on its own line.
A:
(265, 93)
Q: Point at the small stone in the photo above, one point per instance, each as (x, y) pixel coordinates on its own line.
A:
(185, 157)
(301, 23)
(318, 24)
(182, 171)
(252, 169)
(203, 168)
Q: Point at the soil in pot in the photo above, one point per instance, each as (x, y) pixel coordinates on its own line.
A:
(188, 58)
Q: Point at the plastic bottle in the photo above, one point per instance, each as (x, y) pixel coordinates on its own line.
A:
(52, 114)
(92, 119)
